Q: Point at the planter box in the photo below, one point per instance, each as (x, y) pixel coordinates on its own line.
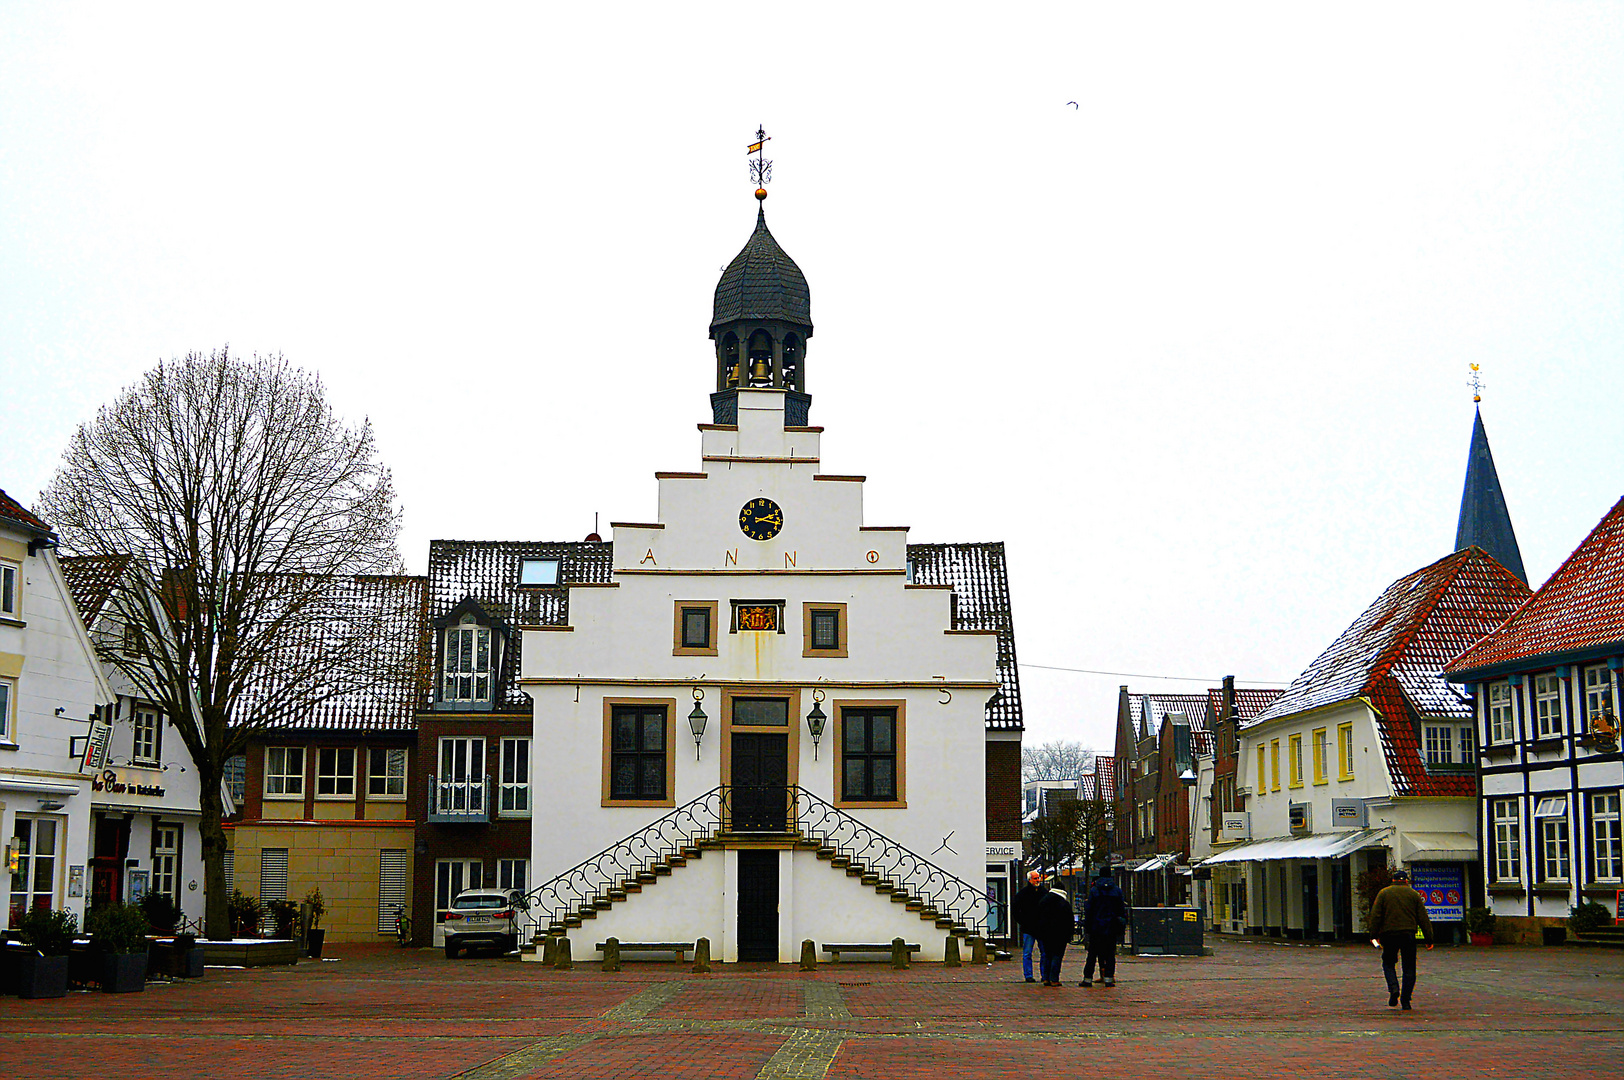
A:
(250, 952)
(317, 937)
(1479, 938)
(124, 973)
(176, 961)
(41, 976)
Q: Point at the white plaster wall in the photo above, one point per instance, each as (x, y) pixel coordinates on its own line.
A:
(59, 671)
(620, 645)
(685, 906)
(1271, 810)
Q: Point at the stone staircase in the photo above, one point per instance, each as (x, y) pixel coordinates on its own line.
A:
(639, 861)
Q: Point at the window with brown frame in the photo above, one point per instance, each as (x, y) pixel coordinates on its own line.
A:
(823, 630)
(638, 752)
(694, 632)
(869, 761)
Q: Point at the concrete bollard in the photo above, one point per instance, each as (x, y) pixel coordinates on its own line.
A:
(702, 955)
(561, 955)
(809, 955)
(899, 954)
(549, 950)
(611, 955)
(950, 958)
(978, 950)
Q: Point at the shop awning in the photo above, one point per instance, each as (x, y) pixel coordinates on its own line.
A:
(1317, 846)
(1437, 847)
(1155, 862)
(37, 787)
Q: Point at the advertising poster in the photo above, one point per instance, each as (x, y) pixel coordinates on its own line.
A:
(1443, 887)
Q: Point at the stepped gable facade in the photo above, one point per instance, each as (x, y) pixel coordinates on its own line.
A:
(772, 721)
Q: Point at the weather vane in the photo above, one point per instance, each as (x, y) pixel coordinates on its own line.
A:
(761, 167)
(1476, 383)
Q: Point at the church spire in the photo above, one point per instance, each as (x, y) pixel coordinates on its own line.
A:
(1484, 519)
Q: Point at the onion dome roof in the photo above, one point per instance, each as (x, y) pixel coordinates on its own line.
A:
(762, 282)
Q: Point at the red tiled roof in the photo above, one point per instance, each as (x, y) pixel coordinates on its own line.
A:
(1248, 702)
(1105, 769)
(91, 579)
(1201, 742)
(1580, 608)
(1394, 654)
(14, 512)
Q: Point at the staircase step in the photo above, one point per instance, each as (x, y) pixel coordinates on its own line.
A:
(900, 898)
(661, 869)
(944, 924)
(826, 852)
(913, 905)
(645, 878)
(603, 903)
(571, 922)
(693, 851)
(633, 887)
(883, 886)
(677, 860)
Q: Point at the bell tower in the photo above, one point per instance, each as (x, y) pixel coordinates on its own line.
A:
(762, 316)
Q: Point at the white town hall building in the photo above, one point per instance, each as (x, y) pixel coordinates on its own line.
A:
(761, 729)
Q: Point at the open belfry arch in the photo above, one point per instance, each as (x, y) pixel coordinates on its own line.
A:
(769, 722)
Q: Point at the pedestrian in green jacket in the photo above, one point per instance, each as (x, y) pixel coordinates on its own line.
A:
(1395, 917)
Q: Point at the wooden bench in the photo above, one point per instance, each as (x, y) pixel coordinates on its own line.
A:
(834, 950)
(678, 949)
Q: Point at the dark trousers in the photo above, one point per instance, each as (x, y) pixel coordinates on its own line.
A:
(1397, 944)
(1101, 947)
(1053, 953)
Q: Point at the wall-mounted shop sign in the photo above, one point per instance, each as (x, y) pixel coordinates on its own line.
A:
(109, 782)
(101, 737)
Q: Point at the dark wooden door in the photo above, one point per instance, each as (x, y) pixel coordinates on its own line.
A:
(760, 780)
(758, 905)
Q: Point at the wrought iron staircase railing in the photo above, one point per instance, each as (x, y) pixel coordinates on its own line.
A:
(713, 819)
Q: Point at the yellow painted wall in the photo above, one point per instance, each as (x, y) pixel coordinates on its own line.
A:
(342, 860)
(385, 811)
(283, 810)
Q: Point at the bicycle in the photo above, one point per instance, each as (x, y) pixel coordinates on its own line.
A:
(403, 927)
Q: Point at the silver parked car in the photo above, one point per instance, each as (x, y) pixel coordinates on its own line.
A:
(483, 917)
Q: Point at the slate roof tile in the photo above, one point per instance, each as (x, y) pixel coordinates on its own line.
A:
(488, 572)
(1394, 654)
(762, 282)
(393, 681)
(979, 574)
(1580, 608)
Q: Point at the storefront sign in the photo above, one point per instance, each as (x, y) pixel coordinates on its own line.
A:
(1443, 887)
(109, 782)
(1003, 852)
(101, 737)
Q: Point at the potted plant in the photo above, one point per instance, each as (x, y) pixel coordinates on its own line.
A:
(1480, 925)
(318, 907)
(118, 932)
(283, 912)
(244, 912)
(1588, 917)
(162, 913)
(41, 965)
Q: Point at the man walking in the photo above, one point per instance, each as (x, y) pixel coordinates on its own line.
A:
(1023, 910)
(1396, 915)
(1105, 916)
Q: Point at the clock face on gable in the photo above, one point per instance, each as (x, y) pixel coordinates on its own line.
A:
(761, 519)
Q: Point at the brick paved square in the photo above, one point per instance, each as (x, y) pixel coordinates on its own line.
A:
(1252, 1009)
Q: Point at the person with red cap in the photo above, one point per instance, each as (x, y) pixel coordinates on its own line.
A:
(1022, 911)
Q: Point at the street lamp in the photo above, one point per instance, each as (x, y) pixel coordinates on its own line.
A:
(696, 721)
(815, 720)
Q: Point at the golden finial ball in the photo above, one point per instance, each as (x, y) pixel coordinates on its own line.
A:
(761, 194)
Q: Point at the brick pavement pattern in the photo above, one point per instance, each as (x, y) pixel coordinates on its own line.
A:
(1253, 1009)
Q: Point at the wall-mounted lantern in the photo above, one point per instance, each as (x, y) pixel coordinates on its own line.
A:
(696, 721)
(815, 721)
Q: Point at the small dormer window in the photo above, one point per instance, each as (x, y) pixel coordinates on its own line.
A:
(538, 572)
(467, 663)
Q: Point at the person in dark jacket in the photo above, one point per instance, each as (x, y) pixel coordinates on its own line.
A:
(1105, 916)
(1022, 910)
(1053, 926)
(1397, 913)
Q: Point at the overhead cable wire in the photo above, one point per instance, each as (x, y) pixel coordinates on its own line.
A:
(1143, 675)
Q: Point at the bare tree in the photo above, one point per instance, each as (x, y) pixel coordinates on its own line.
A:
(240, 497)
(1056, 760)
(1073, 832)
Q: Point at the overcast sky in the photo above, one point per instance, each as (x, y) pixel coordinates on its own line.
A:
(1196, 348)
